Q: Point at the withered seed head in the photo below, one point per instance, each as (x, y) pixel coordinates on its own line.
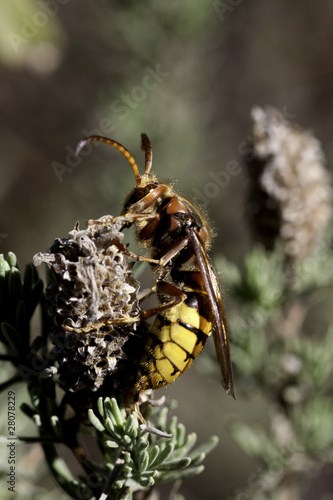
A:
(92, 286)
(290, 194)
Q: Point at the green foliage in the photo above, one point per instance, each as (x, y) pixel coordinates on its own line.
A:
(18, 19)
(261, 282)
(316, 271)
(148, 455)
(135, 456)
(18, 302)
(275, 354)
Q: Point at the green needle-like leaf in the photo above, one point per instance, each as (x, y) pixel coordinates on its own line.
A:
(164, 454)
(128, 471)
(12, 260)
(110, 427)
(100, 406)
(4, 267)
(143, 461)
(142, 445)
(180, 435)
(15, 285)
(131, 426)
(180, 463)
(153, 455)
(95, 421)
(172, 428)
(111, 444)
(126, 440)
(119, 416)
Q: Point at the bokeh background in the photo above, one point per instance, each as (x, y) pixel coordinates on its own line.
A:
(186, 73)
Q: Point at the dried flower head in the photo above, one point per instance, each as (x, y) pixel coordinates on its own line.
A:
(92, 287)
(290, 194)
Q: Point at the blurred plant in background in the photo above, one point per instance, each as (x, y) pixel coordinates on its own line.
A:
(31, 35)
(85, 68)
(274, 351)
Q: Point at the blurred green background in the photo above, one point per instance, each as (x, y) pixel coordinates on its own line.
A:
(186, 73)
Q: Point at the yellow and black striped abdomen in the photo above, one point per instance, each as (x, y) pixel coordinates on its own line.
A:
(175, 339)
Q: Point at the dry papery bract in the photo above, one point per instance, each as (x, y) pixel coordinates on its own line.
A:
(92, 284)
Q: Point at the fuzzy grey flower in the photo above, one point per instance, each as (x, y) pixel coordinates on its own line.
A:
(290, 195)
(93, 300)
